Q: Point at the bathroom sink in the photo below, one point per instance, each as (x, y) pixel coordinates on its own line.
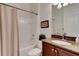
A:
(61, 42)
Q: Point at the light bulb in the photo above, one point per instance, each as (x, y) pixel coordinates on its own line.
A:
(59, 5)
(55, 3)
(65, 4)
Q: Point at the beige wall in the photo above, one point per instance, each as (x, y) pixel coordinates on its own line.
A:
(44, 13)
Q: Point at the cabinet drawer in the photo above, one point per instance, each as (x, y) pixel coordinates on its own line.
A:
(48, 45)
(62, 52)
(48, 50)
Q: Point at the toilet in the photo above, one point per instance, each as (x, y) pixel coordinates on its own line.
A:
(36, 51)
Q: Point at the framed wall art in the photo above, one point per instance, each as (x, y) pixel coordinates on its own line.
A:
(45, 24)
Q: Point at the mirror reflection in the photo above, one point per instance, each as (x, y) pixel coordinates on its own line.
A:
(66, 19)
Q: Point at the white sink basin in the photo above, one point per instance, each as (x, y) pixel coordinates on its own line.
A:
(61, 42)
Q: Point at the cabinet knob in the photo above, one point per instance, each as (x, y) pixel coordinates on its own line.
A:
(52, 49)
(55, 51)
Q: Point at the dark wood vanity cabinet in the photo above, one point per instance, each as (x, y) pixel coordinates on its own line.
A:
(50, 50)
(62, 52)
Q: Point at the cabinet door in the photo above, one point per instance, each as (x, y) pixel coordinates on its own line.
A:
(48, 50)
(62, 52)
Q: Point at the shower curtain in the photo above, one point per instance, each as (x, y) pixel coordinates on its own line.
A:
(9, 40)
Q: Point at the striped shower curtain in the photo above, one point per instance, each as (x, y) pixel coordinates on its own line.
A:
(9, 40)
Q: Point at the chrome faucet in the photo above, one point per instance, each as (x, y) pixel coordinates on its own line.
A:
(63, 36)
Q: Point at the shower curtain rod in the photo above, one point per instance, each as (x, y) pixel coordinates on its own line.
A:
(19, 8)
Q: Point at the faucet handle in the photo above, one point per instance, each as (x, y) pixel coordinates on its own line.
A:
(64, 34)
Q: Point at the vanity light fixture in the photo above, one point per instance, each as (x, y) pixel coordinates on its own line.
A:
(60, 5)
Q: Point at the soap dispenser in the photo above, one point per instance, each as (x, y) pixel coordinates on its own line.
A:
(77, 39)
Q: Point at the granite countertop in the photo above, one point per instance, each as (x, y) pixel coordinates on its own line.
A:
(73, 47)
